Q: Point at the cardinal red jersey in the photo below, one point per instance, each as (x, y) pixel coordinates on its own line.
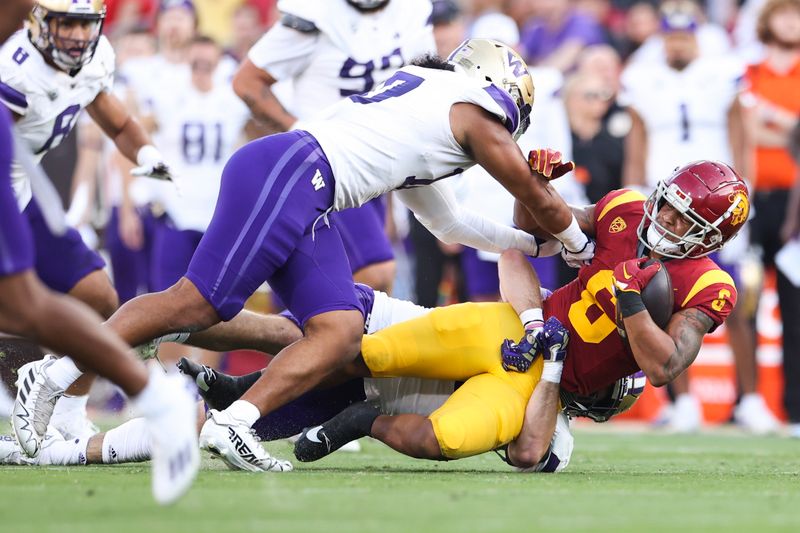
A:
(597, 356)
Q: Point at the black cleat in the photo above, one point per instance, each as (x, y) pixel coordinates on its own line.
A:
(352, 423)
(218, 390)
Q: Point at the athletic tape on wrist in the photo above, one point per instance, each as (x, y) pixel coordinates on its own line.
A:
(630, 303)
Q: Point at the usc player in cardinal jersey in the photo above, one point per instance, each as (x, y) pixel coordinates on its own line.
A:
(695, 211)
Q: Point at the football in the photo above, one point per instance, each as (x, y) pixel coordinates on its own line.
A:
(657, 297)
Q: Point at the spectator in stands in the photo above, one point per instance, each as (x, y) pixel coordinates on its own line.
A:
(449, 28)
(641, 23)
(774, 87)
(557, 34)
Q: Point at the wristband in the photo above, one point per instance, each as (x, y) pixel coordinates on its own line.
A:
(551, 371)
(531, 315)
(148, 156)
(573, 238)
(629, 303)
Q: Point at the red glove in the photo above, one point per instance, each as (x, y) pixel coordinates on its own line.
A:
(548, 163)
(633, 276)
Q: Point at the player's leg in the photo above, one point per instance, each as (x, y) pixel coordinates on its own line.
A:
(486, 412)
(454, 342)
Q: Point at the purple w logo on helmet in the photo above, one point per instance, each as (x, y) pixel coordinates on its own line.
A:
(516, 63)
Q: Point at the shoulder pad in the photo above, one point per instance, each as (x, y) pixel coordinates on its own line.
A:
(298, 24)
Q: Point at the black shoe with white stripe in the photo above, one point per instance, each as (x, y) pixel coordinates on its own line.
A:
(33, 407)
(352, 423)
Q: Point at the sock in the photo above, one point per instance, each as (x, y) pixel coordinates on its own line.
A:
(128, 443)
(352, 423)
(244, 411)
(63, 372)
(62, 452)
(225, 389)
(178, 338)
(69, 405)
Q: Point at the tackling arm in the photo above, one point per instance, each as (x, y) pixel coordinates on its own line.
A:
(664, 355)
(492, 147)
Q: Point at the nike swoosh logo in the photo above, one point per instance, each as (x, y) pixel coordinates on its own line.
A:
(625, 272)
(313, 434)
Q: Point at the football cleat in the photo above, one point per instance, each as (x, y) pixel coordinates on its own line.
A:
(237, 445)
(352, 423)
(753, 415)
(149, 350)
(11, 453)
(36, 399)
(73, 423)
(175, 455)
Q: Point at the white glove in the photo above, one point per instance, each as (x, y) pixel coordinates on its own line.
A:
(581, 257)
(151, 164)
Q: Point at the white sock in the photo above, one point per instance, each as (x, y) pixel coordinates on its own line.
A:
(128, 443)
(69, 405)
(244, 411)
(63, 452)
(63, 372)
(178, 338)
(151, 401)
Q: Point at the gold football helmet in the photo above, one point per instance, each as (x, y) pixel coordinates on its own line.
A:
(500, 65)
(69, 51)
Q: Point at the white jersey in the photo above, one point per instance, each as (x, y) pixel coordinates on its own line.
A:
(398, 136)
(424, 396)
(685, 113)
(330, 50)
(47, 99)
(197, 133)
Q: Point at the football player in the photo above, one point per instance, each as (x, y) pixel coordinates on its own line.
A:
(694, 212)
(29, 309)
(269, 223)
(51, 70)
(328, 50)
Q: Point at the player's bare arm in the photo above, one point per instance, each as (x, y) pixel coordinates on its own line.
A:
(664, 355)
(252, 84)
(120, 126)
(492, 147)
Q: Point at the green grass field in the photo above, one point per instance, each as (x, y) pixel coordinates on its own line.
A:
(616, 482)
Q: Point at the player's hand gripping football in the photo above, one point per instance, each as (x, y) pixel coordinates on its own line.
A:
(548, 163)
(633, 276)
(519, 356)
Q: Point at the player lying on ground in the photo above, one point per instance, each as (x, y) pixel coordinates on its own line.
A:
(695, 211)
(29, 309)
(429, 121)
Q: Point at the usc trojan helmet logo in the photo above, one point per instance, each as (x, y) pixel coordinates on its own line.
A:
(741, 208)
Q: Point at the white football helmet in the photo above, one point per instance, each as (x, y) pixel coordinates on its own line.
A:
(68, 54)
(367, 5)
(500, 65)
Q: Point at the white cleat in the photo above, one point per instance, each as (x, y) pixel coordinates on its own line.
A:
(686, 416)
(753, 415)
(235, 443)
(73, 423)
(353, 447)
(11, 453)
(175, 455)
(36, 399)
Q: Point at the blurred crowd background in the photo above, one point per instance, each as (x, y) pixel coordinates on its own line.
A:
(628, 89)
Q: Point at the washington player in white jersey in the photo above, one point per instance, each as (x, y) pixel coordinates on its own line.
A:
(328, 50)
(685, 108)
(51, 70)
(424, 124)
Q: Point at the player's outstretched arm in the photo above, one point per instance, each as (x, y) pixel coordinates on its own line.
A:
(492, 147)
(523, 219)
